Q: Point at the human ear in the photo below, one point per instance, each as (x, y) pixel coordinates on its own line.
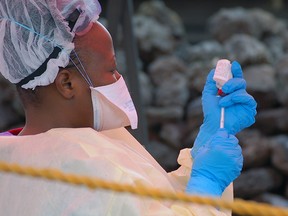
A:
(65, 84)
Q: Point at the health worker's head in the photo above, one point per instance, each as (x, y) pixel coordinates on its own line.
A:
(56, 51)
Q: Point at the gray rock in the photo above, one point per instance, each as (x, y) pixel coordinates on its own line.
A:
(194, 119)
(164, 15)
(254, 182)
(163, 68)
(272, 121)
(204, 51)
(167, 73)
(228, 22)
(194, 114)
(256, 75)
(197, 75)
(256, 148)
(276, 46)
(158, 29)
(154, 39)
(282, 80)
(247, 50)
(284, 37)
(255, 22)
(172, 91)
(266, 23)
(280, 152)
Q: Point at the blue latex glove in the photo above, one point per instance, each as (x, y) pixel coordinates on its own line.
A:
(240, 107)
(216, 165)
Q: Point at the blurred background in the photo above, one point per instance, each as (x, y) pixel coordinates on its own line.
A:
(174, 45)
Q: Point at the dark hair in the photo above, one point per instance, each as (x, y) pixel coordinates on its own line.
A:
(28, 96)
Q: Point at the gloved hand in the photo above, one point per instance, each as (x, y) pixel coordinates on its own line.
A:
(240, 107)
(216, 165)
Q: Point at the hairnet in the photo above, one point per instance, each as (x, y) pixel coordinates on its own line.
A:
(32, 30)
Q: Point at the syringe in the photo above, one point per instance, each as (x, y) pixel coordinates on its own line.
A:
(221, 76)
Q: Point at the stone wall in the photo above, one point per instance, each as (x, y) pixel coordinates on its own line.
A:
(173, 74)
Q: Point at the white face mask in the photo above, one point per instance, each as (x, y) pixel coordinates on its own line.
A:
(113, 106)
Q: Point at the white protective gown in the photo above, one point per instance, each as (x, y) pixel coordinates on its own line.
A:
(112, 155)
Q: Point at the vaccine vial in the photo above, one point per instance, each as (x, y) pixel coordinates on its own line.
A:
(222, 73)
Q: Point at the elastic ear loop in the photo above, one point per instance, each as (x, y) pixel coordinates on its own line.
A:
(83, 71)
(73, 19)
